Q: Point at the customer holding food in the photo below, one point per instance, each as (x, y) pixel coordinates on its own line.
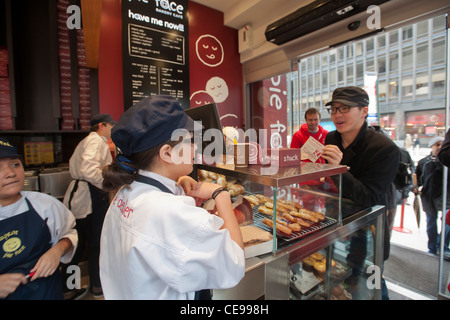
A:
(156, 244)
(36, 233)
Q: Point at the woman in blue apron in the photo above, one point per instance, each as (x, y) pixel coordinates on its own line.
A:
(36, 233)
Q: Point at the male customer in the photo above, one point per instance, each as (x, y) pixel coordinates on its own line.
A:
(85, 197)
(373, 159)
(429, 174)
(311, 128)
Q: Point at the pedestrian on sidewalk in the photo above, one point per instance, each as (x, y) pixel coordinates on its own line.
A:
(429, 174)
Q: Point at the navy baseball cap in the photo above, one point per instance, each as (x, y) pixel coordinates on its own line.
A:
(350, 96)
(149, 123)
(102, 117)
(7, 150)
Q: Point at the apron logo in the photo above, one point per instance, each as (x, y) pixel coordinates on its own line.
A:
(12, 246)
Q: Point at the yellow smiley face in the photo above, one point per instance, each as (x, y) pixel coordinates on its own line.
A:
(12, 244)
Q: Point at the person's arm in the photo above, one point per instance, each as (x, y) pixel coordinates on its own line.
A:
(9, 283)
(49, 261)
(205, 190)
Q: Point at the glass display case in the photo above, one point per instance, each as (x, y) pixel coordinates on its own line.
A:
(335, 254)
(353, 256)
(289, 202)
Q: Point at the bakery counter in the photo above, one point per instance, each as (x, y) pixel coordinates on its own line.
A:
(337, 263)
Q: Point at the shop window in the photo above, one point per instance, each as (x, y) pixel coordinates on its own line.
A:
(388, 123)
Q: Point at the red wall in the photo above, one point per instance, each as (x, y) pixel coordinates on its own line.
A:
(110, 79)
(215, 68)
(205, 24)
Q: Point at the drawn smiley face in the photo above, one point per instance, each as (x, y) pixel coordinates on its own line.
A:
(12, 244)
(209, 50)
(217, 88)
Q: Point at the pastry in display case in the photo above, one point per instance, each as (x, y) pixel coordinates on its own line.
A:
(290, 203)
(348, 260)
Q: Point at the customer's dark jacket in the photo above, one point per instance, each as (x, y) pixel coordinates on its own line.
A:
(373, 159)
(429, 173)
(444, 153)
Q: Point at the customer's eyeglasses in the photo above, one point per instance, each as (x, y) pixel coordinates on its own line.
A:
(342, 109)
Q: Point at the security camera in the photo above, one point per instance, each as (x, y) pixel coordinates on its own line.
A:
(353, 25)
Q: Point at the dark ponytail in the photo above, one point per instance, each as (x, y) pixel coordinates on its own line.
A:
(124, 169)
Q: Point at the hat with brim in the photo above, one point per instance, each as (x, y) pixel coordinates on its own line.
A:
(7, 150)
(350, 96)
(434, 140)
(149, 123)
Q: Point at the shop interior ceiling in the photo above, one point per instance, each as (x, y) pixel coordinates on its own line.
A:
(262, 59)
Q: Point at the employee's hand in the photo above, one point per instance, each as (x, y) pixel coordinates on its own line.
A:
(9, 283)
(187, 183)
(204, 190)
(49, 261)
(332, 154)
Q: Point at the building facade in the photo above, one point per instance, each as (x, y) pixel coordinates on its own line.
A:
(410, 64)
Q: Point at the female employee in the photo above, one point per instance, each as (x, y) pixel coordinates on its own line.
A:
(155, 243)
(36, 233)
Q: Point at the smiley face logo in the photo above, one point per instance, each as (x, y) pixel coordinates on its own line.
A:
(217, 88)
(12, 244)
(209, 50)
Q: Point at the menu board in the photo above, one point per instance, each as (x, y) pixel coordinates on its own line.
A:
(155, 50)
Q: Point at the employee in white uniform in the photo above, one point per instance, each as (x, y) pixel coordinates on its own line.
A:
(36, 233)
(85, 197)
(156, 243)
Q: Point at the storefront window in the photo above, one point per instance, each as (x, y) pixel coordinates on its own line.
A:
(426, 124)
(389, 124)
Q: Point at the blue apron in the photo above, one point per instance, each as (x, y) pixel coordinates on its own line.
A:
(24, 238)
